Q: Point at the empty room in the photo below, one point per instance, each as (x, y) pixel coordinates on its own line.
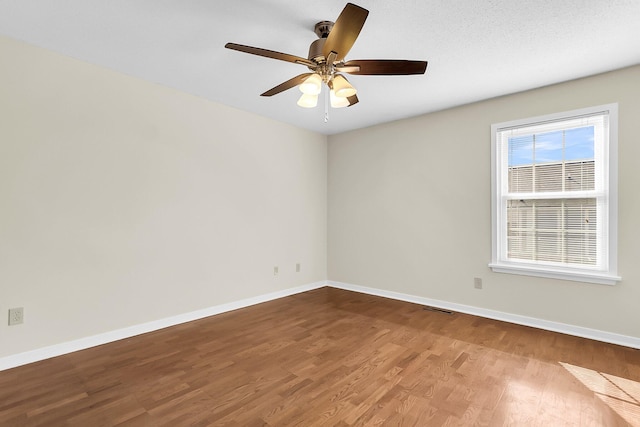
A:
(279, 213)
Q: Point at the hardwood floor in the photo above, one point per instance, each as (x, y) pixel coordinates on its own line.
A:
(335, 358)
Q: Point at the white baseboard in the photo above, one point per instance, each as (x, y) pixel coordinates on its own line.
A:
(563, 328)
(20, 359)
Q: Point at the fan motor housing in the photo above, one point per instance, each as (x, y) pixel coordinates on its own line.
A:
(315, 50)
(322, 30)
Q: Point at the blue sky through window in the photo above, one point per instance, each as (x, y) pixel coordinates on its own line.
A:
(548, 147)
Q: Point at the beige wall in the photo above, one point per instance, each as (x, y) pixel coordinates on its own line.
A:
(123, 202)
(409, 208)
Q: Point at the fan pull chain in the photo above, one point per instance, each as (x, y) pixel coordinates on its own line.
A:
(326, 106)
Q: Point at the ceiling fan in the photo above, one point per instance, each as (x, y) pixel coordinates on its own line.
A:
(326, 61)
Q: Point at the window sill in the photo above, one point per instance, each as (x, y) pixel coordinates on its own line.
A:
(551, 273)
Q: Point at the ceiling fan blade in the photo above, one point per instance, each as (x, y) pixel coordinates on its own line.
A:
(349, 70)
(373, 67)
(352, 100)
(287, 85)
(270, 54)
(345, 31)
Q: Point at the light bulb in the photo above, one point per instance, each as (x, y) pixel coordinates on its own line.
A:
(308, 101)
(342, 87)
(338, 101)
(312, 85)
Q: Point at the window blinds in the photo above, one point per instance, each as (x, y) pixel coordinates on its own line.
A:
(553, 194)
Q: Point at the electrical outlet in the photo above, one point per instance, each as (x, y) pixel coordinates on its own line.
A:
(297, 267)
(16, 316)
(275, 270)
(477, 283)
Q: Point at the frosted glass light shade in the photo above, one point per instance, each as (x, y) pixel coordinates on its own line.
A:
(342, 87)
(308, 101)
(337, 101)
(312, 85)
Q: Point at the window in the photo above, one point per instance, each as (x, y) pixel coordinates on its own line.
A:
(554, 196)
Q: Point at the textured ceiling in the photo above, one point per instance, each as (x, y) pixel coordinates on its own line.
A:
(477, 49)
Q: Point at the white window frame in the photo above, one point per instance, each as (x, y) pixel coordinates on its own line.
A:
(606, 274)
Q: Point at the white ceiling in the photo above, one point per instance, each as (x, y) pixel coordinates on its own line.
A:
(477, 49)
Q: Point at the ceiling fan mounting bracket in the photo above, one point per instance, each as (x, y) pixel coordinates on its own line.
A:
(323, 28)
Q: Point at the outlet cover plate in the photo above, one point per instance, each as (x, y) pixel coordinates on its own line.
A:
(16, 316)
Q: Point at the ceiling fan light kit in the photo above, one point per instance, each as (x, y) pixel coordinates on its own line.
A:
(338, 101)
(308, 100)
(326, 61)
(312, 85)
(342, 87)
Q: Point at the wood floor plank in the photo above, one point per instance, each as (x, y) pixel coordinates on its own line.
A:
(330, 357)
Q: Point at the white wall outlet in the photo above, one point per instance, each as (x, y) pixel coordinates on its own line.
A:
(16, 316)
(477, 283)
(298, 267)
(275, 270)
